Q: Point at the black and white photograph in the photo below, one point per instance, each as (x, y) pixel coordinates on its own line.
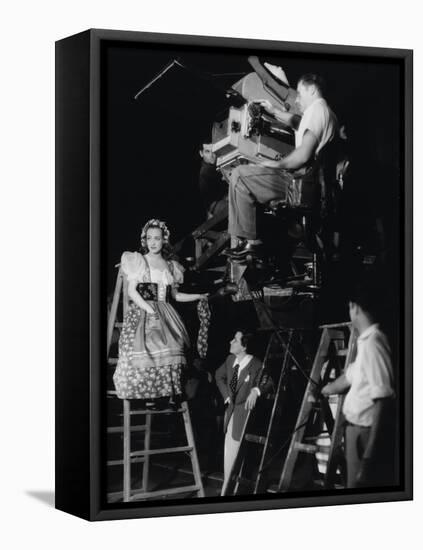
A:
(211, 275)
(253, 260)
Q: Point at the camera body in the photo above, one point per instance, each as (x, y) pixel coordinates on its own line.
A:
(247, 134)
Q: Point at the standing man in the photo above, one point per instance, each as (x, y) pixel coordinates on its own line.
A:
(238, 380)
(270, 180)
(369, 382)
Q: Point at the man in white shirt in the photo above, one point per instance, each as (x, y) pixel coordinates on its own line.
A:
(271, 179)
(240, 382)
(369, 383)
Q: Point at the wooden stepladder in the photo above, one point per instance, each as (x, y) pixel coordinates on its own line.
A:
(127, 430)
(335, 352)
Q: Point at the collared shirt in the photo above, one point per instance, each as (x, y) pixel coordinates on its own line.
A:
(243, 363)
(321, 121)
(370, 376)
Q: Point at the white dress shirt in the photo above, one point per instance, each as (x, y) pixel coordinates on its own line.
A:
(242, 364)
(370, 376)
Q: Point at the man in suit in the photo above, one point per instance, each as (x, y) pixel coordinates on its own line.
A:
(239, 382)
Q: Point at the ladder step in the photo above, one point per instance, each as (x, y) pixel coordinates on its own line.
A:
(306, 448)
(119, 462)
(139, 495)
(118, 324)
(337, 353)
(337, 325)
(321, 435)
(252, 438)
(217, 269)
(112, 361)
(164, 411)
(216, 476)
(119, 429)
(162, 451)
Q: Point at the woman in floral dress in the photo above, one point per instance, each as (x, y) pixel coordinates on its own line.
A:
(153, 337)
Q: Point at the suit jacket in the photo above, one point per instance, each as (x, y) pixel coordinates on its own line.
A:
(250, 377)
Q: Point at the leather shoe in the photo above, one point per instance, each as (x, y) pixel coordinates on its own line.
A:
(230, 251)
(249, 249)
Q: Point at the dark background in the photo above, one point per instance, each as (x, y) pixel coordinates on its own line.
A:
(150, 154)
(150, 160)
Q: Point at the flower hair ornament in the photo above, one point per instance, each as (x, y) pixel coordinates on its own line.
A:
(154, 224)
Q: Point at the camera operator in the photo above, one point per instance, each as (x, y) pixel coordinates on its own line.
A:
(269, 180)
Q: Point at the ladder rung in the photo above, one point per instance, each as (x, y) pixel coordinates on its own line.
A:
(309, 439)
(119, 462)
(217, 269)
(162, 451)
(336, 325)
(341, 352)
(252, 438)
(119, 429)
(111, 393)
(216, 476)
(164, 411)
(139, 495)
(112, 361)
(118, 324)
(306, 448)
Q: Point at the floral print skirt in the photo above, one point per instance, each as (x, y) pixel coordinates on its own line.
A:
(151, 353)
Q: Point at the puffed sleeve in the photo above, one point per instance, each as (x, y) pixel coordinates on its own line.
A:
(133, 265)
(178, 273)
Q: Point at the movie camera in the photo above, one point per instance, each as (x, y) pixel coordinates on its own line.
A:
(247, 133)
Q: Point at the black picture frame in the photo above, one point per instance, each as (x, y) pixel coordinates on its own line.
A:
(80, 278)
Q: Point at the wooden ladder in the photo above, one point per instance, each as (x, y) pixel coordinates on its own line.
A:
(130, 456)
(335, 352)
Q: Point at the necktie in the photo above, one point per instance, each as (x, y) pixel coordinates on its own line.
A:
(234, 379)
